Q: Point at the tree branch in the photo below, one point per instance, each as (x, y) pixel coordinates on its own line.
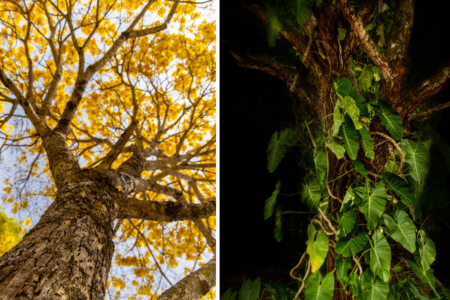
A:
(429, 112)
(82, 81)
(117, 149)
(427, 89)
(283, 72)
(364, 39)
(193, 286)
(164, 211)
(400, 33)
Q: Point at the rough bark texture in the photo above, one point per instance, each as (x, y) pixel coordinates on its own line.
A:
(195, 285)
(67, 255)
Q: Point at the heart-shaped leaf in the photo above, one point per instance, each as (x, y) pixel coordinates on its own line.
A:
(418, 158)
(390, 118)
(350, 136)
(351, 246)
(373, 206)
(338, 118)
(373, 291)
(346, 223)
(228, 295)
(277, 232)
(317, 248)
(250, 290)
(352, 110)
(310, 192)
(400, 186)
(275, 150)
(360, 102)
(337, 149)
(321, 165)
(427, 254)
(274, 25)
(367, 142)
(401, 229)
(342, 266)
(316, 288)
(380, 256)
(302, 9)
(269, 206)
(359, 168)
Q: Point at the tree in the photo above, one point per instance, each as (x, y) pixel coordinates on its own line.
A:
(362, 123)
(109, 107)
(10, 232)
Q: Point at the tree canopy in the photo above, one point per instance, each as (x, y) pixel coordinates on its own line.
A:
(116, 80)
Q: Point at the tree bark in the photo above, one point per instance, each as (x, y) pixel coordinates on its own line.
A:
(68, 254)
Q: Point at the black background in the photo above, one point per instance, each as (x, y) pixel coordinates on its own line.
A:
(254, 105)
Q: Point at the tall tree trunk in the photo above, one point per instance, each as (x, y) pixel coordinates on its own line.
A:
(68, 254)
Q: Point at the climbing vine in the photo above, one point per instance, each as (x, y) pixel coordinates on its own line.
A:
(376, 213)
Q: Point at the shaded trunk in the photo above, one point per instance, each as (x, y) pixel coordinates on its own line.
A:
(68, 254)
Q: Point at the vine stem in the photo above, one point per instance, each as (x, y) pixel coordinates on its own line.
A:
(326, 219)
(331, 195)
(304, 280)
(394, 143)
(297, 266)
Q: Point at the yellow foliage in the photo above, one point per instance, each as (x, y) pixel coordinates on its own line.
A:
(166, 79)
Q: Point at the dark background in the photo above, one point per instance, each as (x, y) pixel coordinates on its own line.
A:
(254, 105)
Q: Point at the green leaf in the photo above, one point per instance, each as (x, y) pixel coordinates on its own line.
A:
(316, 248)
(427, 254)
(400, 186)
(302, 9)
(275, 150)
(425, 275)
(350, 136)
(228, 295)
(371, 291)
(380, 32)
(338, 118)
(321, 165)
(349, 196)
(418, 158)
(342, 266)
(367, 142)
(376, 73)
(365, 79)
(346, 223)
(337, 149)
(318, 289)
(274, 25)
(373, 206)
(342, 87)
(359, 168)
(360, 102)
(354, 285)
(249, 290)
(310, 192)
(389, 118)
(278, 233)
(351, 246)
(342, 33)
(380, 256)
(401, 229)
(269, 206)
(352, 110)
